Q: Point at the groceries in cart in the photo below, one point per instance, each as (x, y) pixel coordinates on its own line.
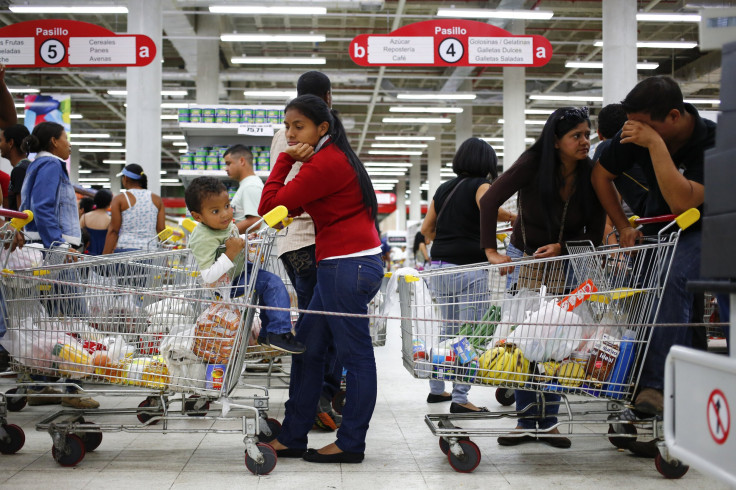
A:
(230, 270)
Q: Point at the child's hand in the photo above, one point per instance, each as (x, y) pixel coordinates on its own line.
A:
(233, 246)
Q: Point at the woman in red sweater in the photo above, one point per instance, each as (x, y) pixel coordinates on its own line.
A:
(334, 188)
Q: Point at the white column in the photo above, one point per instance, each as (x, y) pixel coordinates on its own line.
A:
(114, 179)
(415, 196)
(619, 49)
(208, 59)
(143, 117)
(74, 163)
(401, 205)
(464, 120)
(434, 164)
(514, 103)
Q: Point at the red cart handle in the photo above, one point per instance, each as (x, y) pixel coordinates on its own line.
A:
(683, 220)
(665, 218)
(9, 213)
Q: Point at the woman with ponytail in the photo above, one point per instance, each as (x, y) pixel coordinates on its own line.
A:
(137, 214)
(335, 189)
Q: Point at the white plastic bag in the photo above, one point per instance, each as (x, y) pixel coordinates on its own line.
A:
(28, 257)
(185, 368)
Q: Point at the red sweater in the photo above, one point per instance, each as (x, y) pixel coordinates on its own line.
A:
(327, 188)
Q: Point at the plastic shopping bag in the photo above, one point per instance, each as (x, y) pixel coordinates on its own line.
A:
(185, 368)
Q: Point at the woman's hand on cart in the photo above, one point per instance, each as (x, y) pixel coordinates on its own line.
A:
(496, 258)
(549, 250)
(18, 241)
(627, 237)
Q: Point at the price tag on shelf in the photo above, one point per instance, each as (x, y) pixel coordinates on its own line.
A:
(256, 129)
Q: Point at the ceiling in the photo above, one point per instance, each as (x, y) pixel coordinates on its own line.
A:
(363, 95)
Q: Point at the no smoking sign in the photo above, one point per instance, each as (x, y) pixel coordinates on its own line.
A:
(719, 416)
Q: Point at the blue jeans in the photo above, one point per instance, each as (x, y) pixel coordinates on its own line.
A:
(463, 296)
(524, 398)
(301, 267)
(271, 292)
(675, 306)
(343, 286)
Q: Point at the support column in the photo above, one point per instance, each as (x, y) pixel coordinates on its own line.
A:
(619, 49)
(114, 170)
(401, 205)
(74, 162)
(464, 120)
(415, 196)
(143, 116)
(434, 164)
(208, 59)
(514, 103)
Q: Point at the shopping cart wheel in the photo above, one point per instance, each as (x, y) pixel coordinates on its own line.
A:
(445, 446)
(91, 440)
(191, 409)
(15, 403)
(151, 412)
(338, 401)
(72, 453)
(275, 427)
(621, 442)
(13, 440)
(505, 396)
(269, 460)
(672, 470)
(468, 461)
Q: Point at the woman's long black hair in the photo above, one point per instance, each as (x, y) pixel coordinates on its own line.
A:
(318, 112)
(549, 174)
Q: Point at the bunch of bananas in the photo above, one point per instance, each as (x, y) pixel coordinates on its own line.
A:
(571, 373)
(503, 365)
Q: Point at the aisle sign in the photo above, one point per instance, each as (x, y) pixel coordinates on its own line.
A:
(71, 43)
(719, 416)
(450, 42)
(256, 129)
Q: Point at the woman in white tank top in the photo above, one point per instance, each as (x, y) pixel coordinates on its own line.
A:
(137, 213)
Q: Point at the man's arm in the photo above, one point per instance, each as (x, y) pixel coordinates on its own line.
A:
(8, 116)
(680, 193)
(602, 181)
(243, 225)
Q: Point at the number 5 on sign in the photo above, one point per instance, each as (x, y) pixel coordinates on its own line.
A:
(52, 51)
(451, 50)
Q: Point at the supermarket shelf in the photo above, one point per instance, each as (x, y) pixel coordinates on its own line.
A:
(198, 135)
(186, 176)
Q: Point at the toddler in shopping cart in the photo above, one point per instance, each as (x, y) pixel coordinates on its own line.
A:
(218, 250)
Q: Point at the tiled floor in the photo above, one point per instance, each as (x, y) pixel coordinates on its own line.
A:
(402, 453)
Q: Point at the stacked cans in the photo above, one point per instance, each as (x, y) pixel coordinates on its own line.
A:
(230, 115)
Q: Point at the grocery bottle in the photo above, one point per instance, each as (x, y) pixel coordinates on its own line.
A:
(623, 366)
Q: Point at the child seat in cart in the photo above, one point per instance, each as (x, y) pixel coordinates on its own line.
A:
(576, 326)
(134, 324)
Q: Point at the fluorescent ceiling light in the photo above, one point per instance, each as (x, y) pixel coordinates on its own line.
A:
(496, 14)
(173, 105)
(417, 120)
(183, 150)
(180, 143)
(540, 112)
(436, 96)
(350, 98)
(76, 116)
(386, 164)
(399, 145)
(383, 187)
(20, 105)
(391, 152)
(702, 101)
(599, 65)
(170, 93)
(276, 94)
(270, 60)
(58, 9)
(273, 38)
(286, 10)
(169, 116)
(23, 91)
(84, 171)
(386, 172)
(168, 180)
(173, 137)
(114, 162)
(96, 143)
(578, 98)
(103, 150)
(88, 135)
(162, 172)
(94, 179)
(405, 138)
(432, 110)
(529, 122)
(384, 181)
(499, 139)
(666, 17)
(660, 44)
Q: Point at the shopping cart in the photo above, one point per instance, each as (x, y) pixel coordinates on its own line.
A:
(136, 324)
(571, 325)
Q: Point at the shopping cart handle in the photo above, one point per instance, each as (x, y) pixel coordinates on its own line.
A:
(19, 218)
(684, 220)
(276, 216)
(165, 233)
(189, 225)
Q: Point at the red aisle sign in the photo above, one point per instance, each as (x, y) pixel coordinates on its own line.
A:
(71, 43)
(450, 42)
(719, 416)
